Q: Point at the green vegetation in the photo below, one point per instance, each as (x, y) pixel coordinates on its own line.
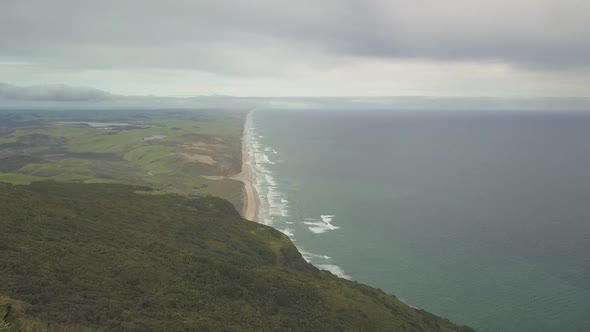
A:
(16, 178)
(80, 256)
(112, 246)
(169, 151)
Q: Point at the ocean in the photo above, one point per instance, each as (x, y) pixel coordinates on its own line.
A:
(479, 217)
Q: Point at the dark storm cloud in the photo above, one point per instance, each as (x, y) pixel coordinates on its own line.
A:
(266, 37)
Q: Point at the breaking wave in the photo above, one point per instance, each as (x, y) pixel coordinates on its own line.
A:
(321, 226)
(274, 205)
(334, 269)
(272, 200)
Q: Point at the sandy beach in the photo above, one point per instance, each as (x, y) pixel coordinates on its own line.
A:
(250, 201)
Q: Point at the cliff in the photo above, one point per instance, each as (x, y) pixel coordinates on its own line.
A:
(116, 257)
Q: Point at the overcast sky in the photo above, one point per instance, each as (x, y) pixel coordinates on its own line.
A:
(490, 48)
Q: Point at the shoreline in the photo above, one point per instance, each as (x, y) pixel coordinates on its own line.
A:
(250, 200)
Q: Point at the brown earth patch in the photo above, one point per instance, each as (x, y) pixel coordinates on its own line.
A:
(199, 158)
(201, 144)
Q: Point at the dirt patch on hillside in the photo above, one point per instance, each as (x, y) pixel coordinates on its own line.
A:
(203, 146)
(199, 158)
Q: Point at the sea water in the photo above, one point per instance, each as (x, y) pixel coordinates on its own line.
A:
(482, 218)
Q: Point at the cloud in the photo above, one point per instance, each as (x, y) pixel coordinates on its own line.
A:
(503, 48)
(264, 37)
(57, 92)
(65, 97)
(60, 96)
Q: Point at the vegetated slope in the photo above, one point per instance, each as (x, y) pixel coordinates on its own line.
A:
(110, 257)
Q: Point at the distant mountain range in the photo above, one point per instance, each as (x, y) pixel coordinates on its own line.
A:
(59, 96)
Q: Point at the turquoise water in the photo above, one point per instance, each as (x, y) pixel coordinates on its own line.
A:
(480, 218)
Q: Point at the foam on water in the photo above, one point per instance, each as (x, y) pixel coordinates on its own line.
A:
(327, 217)
(272, 201)
(274, 205)
(321, 226)
(288, 232)
(334, 269)
(480, 262)
(308, 256)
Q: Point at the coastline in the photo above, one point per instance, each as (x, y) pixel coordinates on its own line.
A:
(250, 200)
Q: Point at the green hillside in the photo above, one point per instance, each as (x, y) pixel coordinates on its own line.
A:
(114, 257)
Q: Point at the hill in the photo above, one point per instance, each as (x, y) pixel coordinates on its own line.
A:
(116, 257)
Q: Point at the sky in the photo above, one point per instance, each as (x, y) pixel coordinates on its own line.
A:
(313, 48)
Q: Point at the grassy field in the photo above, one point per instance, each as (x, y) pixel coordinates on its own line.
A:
(166, 150)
